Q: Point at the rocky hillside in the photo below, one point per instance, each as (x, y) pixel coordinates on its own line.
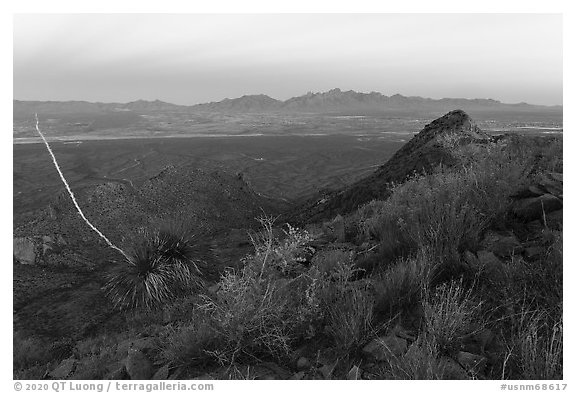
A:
(422, 153)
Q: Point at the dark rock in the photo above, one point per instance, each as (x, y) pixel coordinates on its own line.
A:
(64, 369)
(382, 348)
(24, 250)
(533, 208)
(354, 374)
(472, 362)
(298, 376)
(487, 258)
(303, 363)
(450, 369)
(534, 252)
(117, 371)
(327, 370)
(162, 373)
(501, 245)
(529, 192)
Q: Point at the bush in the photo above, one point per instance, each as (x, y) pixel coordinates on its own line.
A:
(540, 348)
(401, 286)
(448, 314)
(161, 265)
(261, 309)
(447, 211)
(349, 316)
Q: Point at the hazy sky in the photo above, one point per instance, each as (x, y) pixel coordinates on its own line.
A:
(188, 59)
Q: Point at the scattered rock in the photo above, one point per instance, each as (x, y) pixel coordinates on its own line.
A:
(138, 366)
(118, 372)
(382, 348)
(534, 252)
(501, 245)
(303, 363)
(327, 370)
(529, 192)
(533, 208)
(64, 369)
(450, 369)
(472, 362)
(162, 373)
(355, 373)
(24, 250)
(298, 376)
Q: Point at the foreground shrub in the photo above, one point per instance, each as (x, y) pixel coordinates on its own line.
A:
(401, 287)
(448, 314)
(540, 348)
(260, 309)
(160, 265)
(447, 211)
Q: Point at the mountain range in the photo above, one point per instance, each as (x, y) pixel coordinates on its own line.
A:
(332, 101)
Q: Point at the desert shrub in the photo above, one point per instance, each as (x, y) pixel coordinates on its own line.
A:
(251, 314)
(349, 315)
(449, 311)
(278, 256)
(191, 344)
(422, 362)
(540, 347)
(401, 286)
(160, 265)
(343, 305)
(259, 309)
(446, 211)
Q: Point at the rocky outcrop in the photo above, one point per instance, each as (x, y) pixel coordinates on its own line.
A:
(422, 153)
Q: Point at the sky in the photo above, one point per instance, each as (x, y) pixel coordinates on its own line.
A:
(194, 58)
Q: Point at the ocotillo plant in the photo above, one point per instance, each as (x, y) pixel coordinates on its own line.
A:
(159, 265)
(108, 242)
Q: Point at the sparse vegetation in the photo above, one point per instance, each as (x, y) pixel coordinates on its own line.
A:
(161, 264)
(446, 301)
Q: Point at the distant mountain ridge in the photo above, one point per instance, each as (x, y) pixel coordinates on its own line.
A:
(332, 101)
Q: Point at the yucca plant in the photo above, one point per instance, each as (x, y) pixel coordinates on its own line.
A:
(160, 265)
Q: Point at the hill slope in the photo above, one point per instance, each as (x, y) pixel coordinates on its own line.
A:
(421, 153)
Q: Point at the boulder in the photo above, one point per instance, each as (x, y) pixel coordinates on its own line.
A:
(450, 369)
(303, 363)
(534, 252)
(501, 245)
(162, 373)
(529, 192)
(533, 208)
(382, 348)
(298, 376)
(354, 374)
(64, 369)
(24, 250)
(472, 362)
